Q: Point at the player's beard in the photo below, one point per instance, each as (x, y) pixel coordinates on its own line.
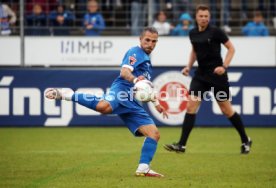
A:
(148, 50)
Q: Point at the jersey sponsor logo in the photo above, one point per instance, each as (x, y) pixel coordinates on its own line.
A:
(172, 88)
(132, 60)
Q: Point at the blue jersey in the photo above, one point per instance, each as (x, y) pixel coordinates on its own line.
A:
(130, 110)
(95, 19)
(138, 61)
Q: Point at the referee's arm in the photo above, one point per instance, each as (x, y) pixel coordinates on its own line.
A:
(192, 60)
(230, 53)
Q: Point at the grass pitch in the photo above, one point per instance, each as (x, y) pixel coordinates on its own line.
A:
(108, 157)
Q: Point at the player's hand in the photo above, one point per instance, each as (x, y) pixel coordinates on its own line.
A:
(186, 71)
(89, 26)
(219, 70)
(162, 110)
(139, 78)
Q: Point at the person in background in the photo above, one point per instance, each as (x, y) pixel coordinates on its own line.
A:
(184, 27)
(226, 16)
(93, 20)
(46, 5)
(211, 75)
(161, 24)
(7, 17)
(178, 7)
(256, 27)
(138, 16)
(60, 19)
(37, 22)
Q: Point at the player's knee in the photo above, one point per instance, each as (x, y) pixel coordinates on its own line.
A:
(227, 112)
(155, 135)
(191, 109)
(104, 108)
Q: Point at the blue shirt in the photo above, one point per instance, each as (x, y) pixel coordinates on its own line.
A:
(179, 31)
(255, 29)
(138, 61)
(68, 18)
(95, 19)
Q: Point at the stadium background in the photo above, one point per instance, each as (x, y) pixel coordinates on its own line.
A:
(31, 63)
(98, 151)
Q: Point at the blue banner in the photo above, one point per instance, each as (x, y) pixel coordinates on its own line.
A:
(22, 101)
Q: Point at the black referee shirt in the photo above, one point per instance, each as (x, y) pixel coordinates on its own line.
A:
(207, 46)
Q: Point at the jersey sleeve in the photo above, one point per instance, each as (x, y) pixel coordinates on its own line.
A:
(190, 37)
(221, 36)
(131, 60)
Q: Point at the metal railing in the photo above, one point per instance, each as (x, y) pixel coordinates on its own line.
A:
(119, 15)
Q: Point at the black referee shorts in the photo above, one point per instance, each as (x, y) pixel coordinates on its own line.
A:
(201, 85)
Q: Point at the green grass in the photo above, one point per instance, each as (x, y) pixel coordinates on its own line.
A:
(107, 157)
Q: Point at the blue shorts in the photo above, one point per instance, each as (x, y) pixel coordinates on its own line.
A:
(130, 111)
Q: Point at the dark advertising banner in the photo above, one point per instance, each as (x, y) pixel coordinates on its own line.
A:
(22, 101)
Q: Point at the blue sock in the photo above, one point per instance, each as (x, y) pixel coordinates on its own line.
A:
(87, 100)
(148, 150)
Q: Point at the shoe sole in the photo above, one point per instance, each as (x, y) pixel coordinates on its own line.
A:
(172, 150)
(149, 175)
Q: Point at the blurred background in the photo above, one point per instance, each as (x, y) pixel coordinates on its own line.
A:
(126, 17)
(80, 44)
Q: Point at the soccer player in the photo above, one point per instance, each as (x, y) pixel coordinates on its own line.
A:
(136, 66)
(211, 74)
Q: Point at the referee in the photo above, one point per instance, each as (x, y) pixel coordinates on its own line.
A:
(210, 75)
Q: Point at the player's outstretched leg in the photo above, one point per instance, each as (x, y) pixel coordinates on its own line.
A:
(87, 100)
(148, 151)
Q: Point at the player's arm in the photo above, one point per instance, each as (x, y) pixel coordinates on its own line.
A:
(229, 55)
(191, 61)
(127, 75)
(159, 107)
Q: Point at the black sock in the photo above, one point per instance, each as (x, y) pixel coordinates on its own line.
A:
(187, 126)
(237, 123)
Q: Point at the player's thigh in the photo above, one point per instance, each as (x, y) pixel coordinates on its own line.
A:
(226, 108)
(196, 94)
(193, 104)
(108, 105)
(198, 88)
(135, 119)
(104, 107)
(221, 92)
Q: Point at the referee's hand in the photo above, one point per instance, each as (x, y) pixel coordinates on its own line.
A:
(186, 71)
(219, 70)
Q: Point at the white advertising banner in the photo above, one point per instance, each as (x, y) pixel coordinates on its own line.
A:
(10, 51)
(253, 51)
(250, 51)
(77, 51)
(109, 51)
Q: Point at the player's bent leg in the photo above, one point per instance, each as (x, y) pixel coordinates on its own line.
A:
(87, 100)
(148, 150)
(235, 119)
(150, 131)
(104, 107)
(93, 102)
(188, 124)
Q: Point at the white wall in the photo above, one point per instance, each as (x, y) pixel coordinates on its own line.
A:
(109, 51)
